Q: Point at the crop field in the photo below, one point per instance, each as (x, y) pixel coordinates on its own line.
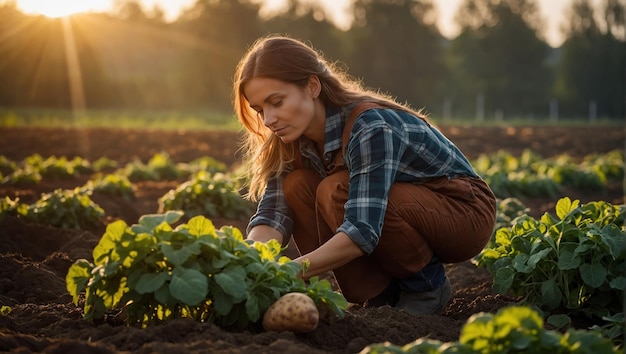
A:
(39, 314)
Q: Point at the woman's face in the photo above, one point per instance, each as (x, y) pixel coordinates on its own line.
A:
(288, 110)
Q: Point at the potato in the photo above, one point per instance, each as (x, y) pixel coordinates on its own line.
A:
(291, 312)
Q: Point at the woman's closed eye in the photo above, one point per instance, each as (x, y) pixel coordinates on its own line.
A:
(277, 103)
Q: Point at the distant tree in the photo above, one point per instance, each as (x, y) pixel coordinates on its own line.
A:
(129, 10)
(614, 16)
(225, 29)
(397, 48)
(592, 67)
(309, 22)
(500, 57)
(157, 14)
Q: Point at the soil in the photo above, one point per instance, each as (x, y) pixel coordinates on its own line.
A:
(34, 259)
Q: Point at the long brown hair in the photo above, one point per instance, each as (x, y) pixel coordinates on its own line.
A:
(291, 61)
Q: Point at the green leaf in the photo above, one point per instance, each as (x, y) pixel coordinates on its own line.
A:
(568, 258)
(164, 296)
(503, 279)
(151, 221)
(564, 206)
(113, 290)
(199, 226)
(618, 282)
(232, 232)
(268, 250)
(551, 294)
(520, 341)
(477, 331)
(587, 342)
(233, 281)
(189, 286)
(252, 308)
(108, 241)
(559, 321)
(77, 278)
(534, 259)
(520, 263)
(593, 274)
(178, 256)
(222, 302)
(151, 282)
(615, 239)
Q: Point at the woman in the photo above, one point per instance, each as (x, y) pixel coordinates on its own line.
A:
(366, 186)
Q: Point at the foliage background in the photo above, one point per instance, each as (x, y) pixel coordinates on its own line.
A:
(498, 67)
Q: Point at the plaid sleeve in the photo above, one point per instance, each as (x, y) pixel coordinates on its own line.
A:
(273, 211)
(373, 158)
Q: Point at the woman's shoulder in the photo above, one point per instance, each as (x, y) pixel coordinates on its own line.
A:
(387, 115)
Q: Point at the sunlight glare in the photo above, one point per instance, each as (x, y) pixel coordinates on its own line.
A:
(61, 8)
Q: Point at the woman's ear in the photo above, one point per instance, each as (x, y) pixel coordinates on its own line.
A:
(315, 86)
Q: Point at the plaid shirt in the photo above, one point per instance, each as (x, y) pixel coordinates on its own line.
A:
(385, 146)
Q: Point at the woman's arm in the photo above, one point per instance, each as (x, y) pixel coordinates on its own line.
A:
(265, 233)
(337, 251)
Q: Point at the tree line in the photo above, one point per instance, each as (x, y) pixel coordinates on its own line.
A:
(499, 65)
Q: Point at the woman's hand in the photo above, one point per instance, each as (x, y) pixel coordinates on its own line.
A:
(337, 251)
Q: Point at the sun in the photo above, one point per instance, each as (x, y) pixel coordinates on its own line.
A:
(61, 8)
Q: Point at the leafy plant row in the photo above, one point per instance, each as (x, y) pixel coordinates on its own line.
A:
(153, 271)
(67, 209)
(207, 192)
(570, 266)
(513, 329)
(158, 168)
(214, 195)
(530, 175)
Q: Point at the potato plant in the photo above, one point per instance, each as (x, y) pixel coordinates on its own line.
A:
(111, 184)
(574, 264)
(59, 167)
(508, 210)
(160, 167)
(205, 163)
(68, 209)
(211, 195)
(34, 168)
(514, 329)
(12, 207)
(153, 271)
(609, 165)
(22, 177)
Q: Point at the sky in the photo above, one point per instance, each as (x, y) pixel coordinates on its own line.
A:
(552, 11)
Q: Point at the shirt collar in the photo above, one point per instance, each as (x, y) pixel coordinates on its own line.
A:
(333, 131)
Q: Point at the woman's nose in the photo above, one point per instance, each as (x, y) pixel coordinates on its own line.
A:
(269, 118)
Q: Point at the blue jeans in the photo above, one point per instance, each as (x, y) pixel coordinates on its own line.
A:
(429, 278)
